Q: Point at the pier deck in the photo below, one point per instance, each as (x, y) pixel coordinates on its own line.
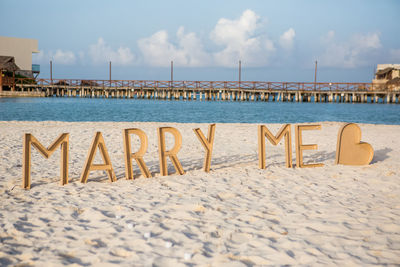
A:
(211, 90)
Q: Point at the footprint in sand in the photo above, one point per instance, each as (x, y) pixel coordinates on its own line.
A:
(240, 238)
(121, 252)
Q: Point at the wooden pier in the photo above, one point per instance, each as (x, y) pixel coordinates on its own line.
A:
(211, 90)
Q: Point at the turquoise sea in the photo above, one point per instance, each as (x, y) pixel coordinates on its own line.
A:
(92, 109)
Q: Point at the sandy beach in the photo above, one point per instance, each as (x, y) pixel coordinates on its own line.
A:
(235, 215)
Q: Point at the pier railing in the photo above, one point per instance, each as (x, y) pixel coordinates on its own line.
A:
(199, 85)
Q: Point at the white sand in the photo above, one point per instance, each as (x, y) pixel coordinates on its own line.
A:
(236, 215)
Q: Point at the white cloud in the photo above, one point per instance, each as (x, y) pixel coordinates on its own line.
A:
(157, 50)
(243, 39)
(269, 45)
(329, 37)
(64, 57)
(287, 38)
(241, 42)
(355, 52)
(227, 31)
(101, 52)
(59, 56)
(366, 42)
(237, 39)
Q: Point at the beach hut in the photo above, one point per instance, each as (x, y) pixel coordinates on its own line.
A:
(394, 84)
(7, 72)
(387, 77)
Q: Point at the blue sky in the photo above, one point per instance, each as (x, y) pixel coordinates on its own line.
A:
(275, 40)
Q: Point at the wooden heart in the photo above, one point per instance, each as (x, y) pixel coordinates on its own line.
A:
(349, 149)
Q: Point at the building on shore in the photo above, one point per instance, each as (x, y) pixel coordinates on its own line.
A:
(16, 59)
(7, 72)
(387, 77)
(21, 49)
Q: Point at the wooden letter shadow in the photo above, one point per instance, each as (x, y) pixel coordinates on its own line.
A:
(300, 147)
(349, 148)
(171, 153)
(207, 144)
(138, 156)
(29, 139)
(264, 132)
(98, 142)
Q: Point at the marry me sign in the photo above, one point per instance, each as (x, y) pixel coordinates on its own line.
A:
(350, 150)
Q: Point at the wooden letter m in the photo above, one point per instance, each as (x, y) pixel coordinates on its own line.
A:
(29, 139)
(283, 132)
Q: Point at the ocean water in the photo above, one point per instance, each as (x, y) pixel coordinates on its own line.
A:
(86, 109)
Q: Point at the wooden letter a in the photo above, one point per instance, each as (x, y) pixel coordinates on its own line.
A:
(138, 156)
(29, 139)
(163, 154)
(98, 141)
(264, 132)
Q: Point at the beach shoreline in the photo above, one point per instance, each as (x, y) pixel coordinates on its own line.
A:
(235, 215)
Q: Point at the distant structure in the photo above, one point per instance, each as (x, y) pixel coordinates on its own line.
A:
(387, 76)
(8, 64)
(21, 50)
(16, 60)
